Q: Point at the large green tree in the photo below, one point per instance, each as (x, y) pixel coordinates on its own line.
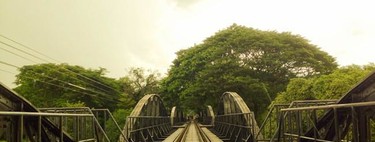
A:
(256, 64)
(59, 85)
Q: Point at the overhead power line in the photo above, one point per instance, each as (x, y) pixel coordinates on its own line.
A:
(55, 69)
(83, 76)
(28, 48)
(64, 82)
(1, 62)
(7, 71)
(97, 82)
(17, 55)
(84, 93)
(23, 51)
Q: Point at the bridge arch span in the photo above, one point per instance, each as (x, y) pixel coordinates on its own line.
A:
(234, 115)
(149, 105)
(149, 120)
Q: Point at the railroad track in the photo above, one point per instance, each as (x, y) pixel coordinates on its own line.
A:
(192, 132)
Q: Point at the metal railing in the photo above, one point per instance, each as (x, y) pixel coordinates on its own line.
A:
(147, 128)
(62, 121)
(235, 127)
(269, 125)
(328, 123)
(103, 116)
(78, 127)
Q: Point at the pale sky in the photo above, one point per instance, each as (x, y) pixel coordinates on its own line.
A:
(120, 34)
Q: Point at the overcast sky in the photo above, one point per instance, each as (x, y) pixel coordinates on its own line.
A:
(119, 34)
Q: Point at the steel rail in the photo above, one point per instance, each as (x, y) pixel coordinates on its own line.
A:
(361, 104)
(182, 136)
(202, 135)
(16, 113)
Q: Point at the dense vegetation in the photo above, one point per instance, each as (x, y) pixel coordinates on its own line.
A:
(331, 86)
(50, 85)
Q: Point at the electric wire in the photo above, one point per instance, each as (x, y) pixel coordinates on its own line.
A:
(27, 47)
(54, 69)
(18, 55)
(9, 64)
(20, 50)
(62, 73)
(23, 51)
(87, 78)
(69, 84)
(63, 87)
(8, 72)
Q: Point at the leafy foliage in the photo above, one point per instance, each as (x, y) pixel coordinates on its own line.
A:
(139, 82)
(256, 64)
(52, 85)
(331, 86)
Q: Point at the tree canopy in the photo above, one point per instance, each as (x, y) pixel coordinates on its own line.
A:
(59, 85)
(256, 64)
(331, 86)
(137, 83)
(140, 82)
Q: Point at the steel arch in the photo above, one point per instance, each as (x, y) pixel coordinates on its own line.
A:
(148, 121)
(177, 116)
(233, 110)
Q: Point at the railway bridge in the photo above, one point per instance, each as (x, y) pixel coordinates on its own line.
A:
(350, 118)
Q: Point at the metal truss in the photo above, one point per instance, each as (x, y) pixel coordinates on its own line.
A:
(270, 123)
(351, 122)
